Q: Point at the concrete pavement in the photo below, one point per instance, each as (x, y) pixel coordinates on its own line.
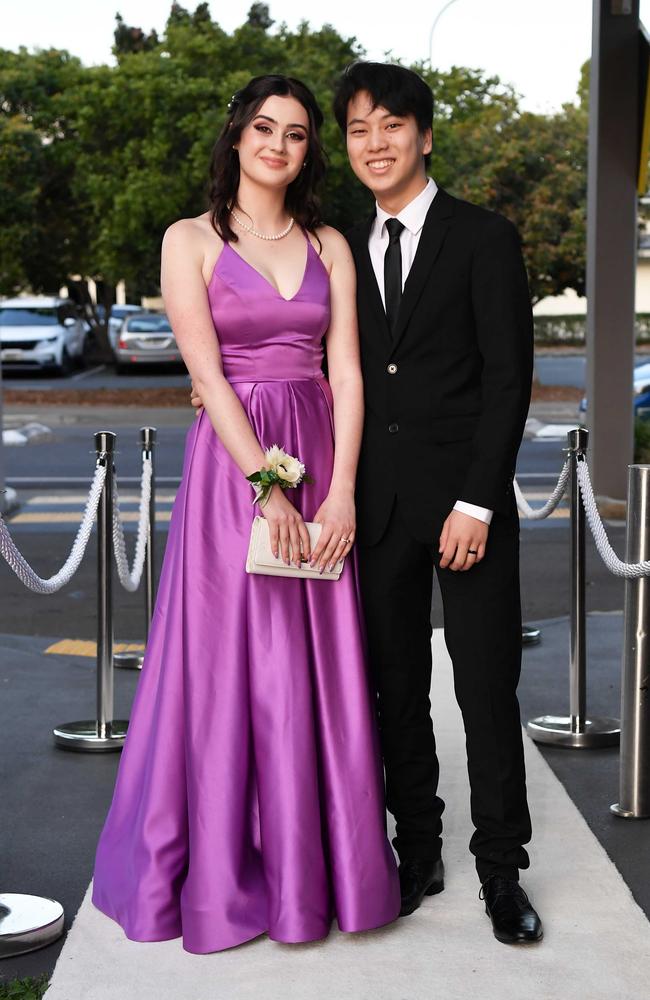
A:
(597, 940)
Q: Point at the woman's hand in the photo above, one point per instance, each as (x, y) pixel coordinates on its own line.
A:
(338, 518)
(195, 399)
(287, 530)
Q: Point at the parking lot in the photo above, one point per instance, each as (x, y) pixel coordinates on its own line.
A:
(51, 336)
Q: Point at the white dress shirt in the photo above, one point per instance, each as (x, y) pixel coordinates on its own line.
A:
(412, 217)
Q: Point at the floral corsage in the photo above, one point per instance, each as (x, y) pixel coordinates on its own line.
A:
(283, 470)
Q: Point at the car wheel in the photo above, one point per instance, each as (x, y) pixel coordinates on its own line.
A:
(65, 368)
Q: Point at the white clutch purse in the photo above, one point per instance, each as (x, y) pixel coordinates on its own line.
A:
(260, 558)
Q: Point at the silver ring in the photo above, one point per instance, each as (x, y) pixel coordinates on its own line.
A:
(346, 540)
(472, 552)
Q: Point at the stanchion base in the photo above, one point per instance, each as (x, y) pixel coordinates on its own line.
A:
(530, 636)
(28, 923)
(86, 735)
(128, 661)
(617, 810)
(557, 731)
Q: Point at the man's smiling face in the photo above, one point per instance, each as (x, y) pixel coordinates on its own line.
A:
(386, 151)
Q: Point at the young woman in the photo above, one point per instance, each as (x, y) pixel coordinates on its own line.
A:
(250, 792)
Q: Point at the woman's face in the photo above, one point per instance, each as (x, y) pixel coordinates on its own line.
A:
(273, 146)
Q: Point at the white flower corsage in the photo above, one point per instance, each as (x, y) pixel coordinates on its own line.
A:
(283, 470)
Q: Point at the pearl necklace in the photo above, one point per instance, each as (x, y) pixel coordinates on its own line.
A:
(261, 236)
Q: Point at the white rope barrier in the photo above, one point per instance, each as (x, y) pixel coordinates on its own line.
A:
(130, 579)
(24, 571)
(605, 550)
(536, 514)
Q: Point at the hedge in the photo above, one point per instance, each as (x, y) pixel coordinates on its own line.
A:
(571, 329)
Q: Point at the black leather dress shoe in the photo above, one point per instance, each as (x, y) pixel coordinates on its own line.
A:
(514, 921)
(417, 879)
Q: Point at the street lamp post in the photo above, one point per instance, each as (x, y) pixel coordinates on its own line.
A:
(433, 28)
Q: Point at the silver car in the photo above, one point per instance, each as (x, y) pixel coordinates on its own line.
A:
(40, 332)
(116, 318)
(146, 338)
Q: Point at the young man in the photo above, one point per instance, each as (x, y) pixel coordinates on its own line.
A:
(446, 340)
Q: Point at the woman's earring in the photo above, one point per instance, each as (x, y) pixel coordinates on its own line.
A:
(304, 164)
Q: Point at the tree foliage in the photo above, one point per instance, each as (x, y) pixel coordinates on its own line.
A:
(95, 162)
(128, 40)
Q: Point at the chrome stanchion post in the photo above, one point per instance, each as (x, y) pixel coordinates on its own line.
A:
(578, 441)
(576, 730)
(104, 732)
(634, 782)
(133, 660)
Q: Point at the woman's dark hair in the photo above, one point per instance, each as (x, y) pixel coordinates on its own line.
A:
(399, 90)
(301, 198)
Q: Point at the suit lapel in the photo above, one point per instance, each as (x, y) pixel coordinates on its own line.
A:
(436, 225)
(367, 280)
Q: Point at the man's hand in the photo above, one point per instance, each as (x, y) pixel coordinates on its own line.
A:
(196, 400)
(462, 541)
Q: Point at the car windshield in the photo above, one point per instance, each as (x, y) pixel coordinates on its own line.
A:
(119, 312)
(149, 324)
(29, 316)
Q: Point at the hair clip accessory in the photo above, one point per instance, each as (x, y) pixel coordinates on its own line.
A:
(233, 102)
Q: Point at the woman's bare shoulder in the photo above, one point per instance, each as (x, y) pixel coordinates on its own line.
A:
(197, 229)
(195, 237)
(335, 249)
(331, 237)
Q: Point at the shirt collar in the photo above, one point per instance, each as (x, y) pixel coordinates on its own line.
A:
(412, 215)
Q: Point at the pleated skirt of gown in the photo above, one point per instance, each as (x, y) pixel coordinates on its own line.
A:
(249, 796)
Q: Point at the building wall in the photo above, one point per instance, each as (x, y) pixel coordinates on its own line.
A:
(570, 304)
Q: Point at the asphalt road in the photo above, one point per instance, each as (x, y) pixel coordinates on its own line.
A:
(567, 369)
(551, 369)
(67, 450)
(99, 377)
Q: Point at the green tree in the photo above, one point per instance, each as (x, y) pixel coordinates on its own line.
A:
(20, 174)
(259, 17)
(530, 167)
(37, 168)
(128, 40)
(95, 162)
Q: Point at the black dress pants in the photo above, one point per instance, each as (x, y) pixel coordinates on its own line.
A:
(482, 625)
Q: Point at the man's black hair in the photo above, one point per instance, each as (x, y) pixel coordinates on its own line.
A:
(399, 90)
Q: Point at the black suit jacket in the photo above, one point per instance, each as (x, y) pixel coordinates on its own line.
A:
(446, 398)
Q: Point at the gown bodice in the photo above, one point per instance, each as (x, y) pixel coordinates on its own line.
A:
(262, 335)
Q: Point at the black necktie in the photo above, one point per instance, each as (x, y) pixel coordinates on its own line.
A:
(393, 272)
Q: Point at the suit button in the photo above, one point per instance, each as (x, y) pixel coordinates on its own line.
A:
(391, 369)
(393, 428)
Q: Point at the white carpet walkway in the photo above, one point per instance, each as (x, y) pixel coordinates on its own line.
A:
(597, 941)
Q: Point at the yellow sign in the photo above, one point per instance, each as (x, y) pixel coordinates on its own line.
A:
(644, 111)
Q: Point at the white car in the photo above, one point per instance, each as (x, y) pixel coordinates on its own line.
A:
(40, 332)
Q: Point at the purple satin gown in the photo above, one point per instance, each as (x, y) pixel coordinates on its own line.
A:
(249, 796)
